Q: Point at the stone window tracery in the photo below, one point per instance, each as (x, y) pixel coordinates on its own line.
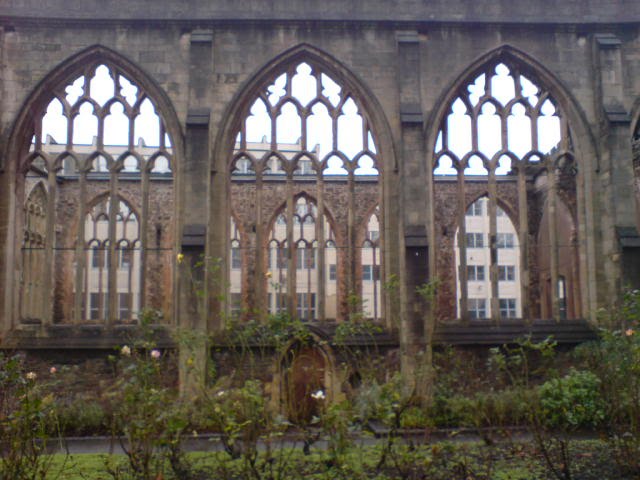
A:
(504, 137)
(479, 260)
(100, 136)
(33, 245)
(370, 260)
(124, 261)
(235, 270)
(304, 139)
(303, 278)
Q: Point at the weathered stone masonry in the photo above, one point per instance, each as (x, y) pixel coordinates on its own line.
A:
(405, 62)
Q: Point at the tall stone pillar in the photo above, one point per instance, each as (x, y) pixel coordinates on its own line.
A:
(191, 312)
(415, 331)
(193, 189)
(616, 170)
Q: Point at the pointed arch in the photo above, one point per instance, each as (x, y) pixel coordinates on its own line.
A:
(307, 376)
(73, 67)
(111, 260)
(295, 269)
(478, 263)
(574, 140)
(565, 279)
(75, 83)
(304, 52)
(346, 99)
(528, 65)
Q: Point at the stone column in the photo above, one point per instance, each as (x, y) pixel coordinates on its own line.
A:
(416, 328)
(193, 269)
(616, 169)
(192, 288)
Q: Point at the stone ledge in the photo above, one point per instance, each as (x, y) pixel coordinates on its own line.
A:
(87, 336)
(487, 332)
(479, 332)
(462, 11)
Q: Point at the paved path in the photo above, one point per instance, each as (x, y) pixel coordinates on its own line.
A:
(211, 442)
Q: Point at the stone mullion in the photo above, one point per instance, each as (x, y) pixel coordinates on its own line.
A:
(534, 129)
(259, 278)
(564, 133)
(320, 261)
(35, 278)
(278, 290)
(308, 254)
(27, 308)
(431, 222)
(38, 271)
(291, 251)
(49, 252)
(304, 114)
(462, 247)
(101, 287)
(580, 295)
(274, 139)
(39, 309)
(85, 283)
(384, 299)
(130, 282)
(493, 247)
(144, 238)
(81, 256)
(112, 270)
(523, 240)
(29, 298)
(375, 282)
(351, 247)
(553, 239)
(37, 282)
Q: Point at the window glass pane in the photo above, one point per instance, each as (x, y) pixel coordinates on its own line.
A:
(236, 260)
(508, 307)
(477, 308)
(123, 306)
(475, 240)
(332, 271)
(475, 272)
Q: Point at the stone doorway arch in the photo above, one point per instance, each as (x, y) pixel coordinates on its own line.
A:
(305, 383)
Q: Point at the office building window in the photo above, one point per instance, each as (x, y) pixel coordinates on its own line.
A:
(475, 273)
(477, 308)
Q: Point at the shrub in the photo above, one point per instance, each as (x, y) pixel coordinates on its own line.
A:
(506, 407)
(615, 359)
(573, 401)
(26, 418)
(240, 415)
(455, 411)
(82, 417)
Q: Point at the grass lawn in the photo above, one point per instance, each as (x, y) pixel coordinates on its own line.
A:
(589, 459)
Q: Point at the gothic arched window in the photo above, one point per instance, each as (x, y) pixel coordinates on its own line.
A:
(505, 139)
(98, 136)
(304, 133)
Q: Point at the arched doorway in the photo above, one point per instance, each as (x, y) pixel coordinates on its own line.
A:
(305, 385)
